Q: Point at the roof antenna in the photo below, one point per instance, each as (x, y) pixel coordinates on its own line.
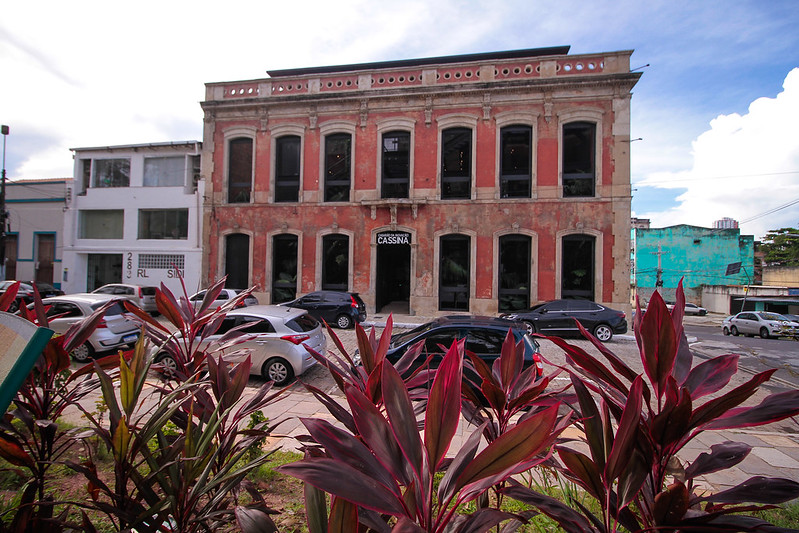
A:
(639, 68)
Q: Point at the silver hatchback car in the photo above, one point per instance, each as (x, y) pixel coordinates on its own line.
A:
(763, 323)
(278, 346)
(116, 330)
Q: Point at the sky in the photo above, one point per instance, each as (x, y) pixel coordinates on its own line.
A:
(716, 109)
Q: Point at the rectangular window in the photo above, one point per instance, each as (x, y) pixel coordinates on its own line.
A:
(164, 171)
(86, 175)
(514, 272)
(515, 168)
(453, 285)
(163, 223)
(336, 262)
(101, 224)
(287, 169)
(396, 165)
(338, 150)
(456, 163)
(111, 173)
(578, 159)
(239, 175)
(284, 268)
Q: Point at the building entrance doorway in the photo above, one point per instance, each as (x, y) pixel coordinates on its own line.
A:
(393, 287)
(103, 269)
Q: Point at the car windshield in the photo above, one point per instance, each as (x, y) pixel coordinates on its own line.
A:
(772, 316)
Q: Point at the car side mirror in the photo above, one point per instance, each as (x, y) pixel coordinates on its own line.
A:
(543, 311)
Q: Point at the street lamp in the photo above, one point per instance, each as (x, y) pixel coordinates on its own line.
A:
(4, 130)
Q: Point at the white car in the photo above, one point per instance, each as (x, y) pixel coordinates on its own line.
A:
(278, 347)
(763, 323)
(116, 330)
(142, 296)
(222, 298)
(693, 309)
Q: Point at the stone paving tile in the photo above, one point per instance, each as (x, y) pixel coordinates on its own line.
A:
(776, 458)
(754, 465)
(779, 441)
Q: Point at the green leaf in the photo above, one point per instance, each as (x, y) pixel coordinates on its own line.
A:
(315, 509)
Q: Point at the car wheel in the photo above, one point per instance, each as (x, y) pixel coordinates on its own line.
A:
(279, 371)
(725, 330)
(344, 322)
(603, 332)
(13, 307)
(764, 333)
(170, 366)
(530, 327)
(734, 331)
(82, 353)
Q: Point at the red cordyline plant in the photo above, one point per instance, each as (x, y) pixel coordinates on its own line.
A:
(382, 475)
(635, 425)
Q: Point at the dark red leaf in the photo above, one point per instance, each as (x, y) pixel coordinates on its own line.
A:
(670, 425)
(711, 376)
(627, 432)
(773, 408)
(483, 520)
(721, 456)
(402, 419)
(444, 405)
(8, 297)
(567, 518)
(658, 343)
(12, 451)
(593, 368)
(254, 520)
(343, 517)
(510, 362)
(758, 489)
(632, 477)
(713, 409)
(584, 470)
(344, 481)
(592, 422)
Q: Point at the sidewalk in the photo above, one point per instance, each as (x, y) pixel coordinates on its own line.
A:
(774, 453)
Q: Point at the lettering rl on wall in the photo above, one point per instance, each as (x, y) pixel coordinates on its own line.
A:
(394, 238)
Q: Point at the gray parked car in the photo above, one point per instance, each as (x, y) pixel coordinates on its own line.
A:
(115, 331)
(141, 295)
(763, 323)
(278, 346)
(222, 298)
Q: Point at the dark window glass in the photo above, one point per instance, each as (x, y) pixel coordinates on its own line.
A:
(456, 163)
(287, 169)
(338, 150)
(396, 164)
(578, 159)
(303, 324)
(453, 290)
(514, 272)
(515, 171)
(227, 324)
(485, 341)
(163, 223)
(335, 265)
(257, 325)
(440, 341)
(577, 280)
(284, 268)
(239, 170)
(237, 261)
(112, 172)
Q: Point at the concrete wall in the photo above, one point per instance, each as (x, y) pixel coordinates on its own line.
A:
(131, 200)
(781, 276)
(35, 208)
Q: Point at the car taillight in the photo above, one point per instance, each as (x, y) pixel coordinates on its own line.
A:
(139, 291)
(354, 303)
(296, 339)
(102, 324)
(539, 366)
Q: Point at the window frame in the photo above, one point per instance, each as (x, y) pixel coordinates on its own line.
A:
(324, 282)
(84, 225)
(507, 178)
(455, 289)
(339, 181)
(114, 161)
(398, 182)
(241, 190)
(182, 223)
(577, 180)
(150, 160)
(449, 178)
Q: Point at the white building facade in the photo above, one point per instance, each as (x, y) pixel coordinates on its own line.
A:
(134, 216)
(34, 241)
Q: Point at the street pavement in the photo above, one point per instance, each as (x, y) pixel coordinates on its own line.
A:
(775, 448)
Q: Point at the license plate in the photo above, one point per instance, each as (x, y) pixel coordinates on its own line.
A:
(130, 338)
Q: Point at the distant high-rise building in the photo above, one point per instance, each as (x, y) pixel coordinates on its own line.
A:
(725, 223)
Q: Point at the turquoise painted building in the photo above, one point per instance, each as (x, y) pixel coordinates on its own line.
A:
(698, 256)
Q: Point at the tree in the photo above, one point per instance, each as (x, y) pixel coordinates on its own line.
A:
(781, 247)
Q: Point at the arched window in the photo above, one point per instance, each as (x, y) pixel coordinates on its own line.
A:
(579, 159)
(515, 166)
(287, 168)
(396, 164)
(338, 167)
(456, 163)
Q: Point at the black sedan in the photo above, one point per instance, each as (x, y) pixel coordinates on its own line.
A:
(342, 309)
(558, 318)
(484, 337)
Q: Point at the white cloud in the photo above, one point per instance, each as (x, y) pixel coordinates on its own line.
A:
(743, 166)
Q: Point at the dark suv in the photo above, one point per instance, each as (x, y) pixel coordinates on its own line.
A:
(484, 337)
(558, 318)
(342, 309)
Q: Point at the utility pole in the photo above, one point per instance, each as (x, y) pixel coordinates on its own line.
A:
(3, 215)
(659, 281)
